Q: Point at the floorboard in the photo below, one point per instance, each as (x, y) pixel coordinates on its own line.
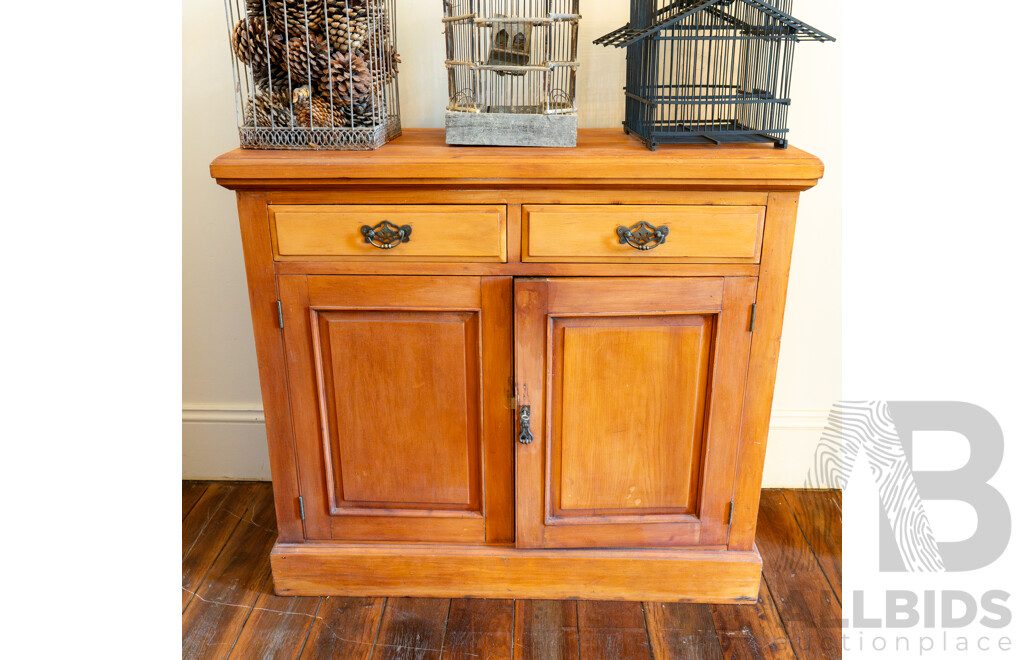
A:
(821, 521)
(613, 630)
(277, 627)
(808, 608)
(224, 599)
(412, 629)
(546, 630)
(682, 631)
(230, 610)
(752, 633)
(344, 629)
(479, 629)
(207, 528)
(191, 491)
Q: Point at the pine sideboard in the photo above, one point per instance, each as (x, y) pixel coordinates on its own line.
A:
(511, 372)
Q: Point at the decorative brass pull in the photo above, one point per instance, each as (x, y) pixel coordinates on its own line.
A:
(643, 236)
(386, 236)
(525, 437)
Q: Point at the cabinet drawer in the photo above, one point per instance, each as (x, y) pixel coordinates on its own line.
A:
(438, 233)
(696, 234)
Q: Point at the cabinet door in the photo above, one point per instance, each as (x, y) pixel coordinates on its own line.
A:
(399, 391)
(635, 389)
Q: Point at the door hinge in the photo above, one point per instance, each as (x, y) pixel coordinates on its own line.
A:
(280, 315)
(753, 316)
(302, 509)
(731, 507)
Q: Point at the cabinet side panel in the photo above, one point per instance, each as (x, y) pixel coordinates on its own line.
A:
(259, 269)
(780, 228)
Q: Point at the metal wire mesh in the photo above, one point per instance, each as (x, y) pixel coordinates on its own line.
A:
(709, 71)
(314, 74)
(512, 56)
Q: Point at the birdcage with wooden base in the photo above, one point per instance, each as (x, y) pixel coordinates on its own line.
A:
(512, 72)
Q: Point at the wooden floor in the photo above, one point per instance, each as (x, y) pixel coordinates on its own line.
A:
(229, 609)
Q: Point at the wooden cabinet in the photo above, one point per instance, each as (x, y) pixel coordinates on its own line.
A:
(518, 372)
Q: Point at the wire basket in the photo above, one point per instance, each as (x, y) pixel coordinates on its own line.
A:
(710, 71)
(512, 68)
(314, 74)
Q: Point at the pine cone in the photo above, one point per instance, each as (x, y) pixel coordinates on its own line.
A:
(347, 25)
(377, 49)
(266, 110)
(311, 111)
(307, 59)
(383, 60)
(254, 8)
(297, 16)
(249, 42)
(347, 79)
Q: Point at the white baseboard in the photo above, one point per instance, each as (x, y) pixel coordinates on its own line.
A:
(793, 435)
(221, 441)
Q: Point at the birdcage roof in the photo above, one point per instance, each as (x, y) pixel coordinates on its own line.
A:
(779, 25)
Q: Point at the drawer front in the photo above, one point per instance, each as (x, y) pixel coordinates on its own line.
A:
(373, 233)
(696, 234)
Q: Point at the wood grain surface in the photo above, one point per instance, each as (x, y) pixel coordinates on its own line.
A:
(399, 433)
(237, 614)
(635, 387)
(439, 232)
(606, 155)
(589, 233)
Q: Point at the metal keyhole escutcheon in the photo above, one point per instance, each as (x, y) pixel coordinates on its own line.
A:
(525, 437)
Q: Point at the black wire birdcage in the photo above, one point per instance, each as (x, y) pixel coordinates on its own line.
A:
(709, 71)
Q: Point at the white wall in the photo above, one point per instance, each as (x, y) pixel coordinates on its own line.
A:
(222, 428)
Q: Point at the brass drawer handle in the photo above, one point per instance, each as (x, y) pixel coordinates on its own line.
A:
(643, 236)
(525, 437)
(386, 236)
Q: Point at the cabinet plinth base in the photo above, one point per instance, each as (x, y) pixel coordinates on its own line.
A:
(330, 569)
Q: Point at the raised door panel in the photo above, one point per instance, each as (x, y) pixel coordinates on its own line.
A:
(627, 413)
(402, 433)
(390, 376)
(634, 388)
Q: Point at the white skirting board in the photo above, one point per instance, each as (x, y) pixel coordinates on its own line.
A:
(224, 443)
(230, 442)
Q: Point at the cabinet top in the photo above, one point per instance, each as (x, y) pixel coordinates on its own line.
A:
(604, 158)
